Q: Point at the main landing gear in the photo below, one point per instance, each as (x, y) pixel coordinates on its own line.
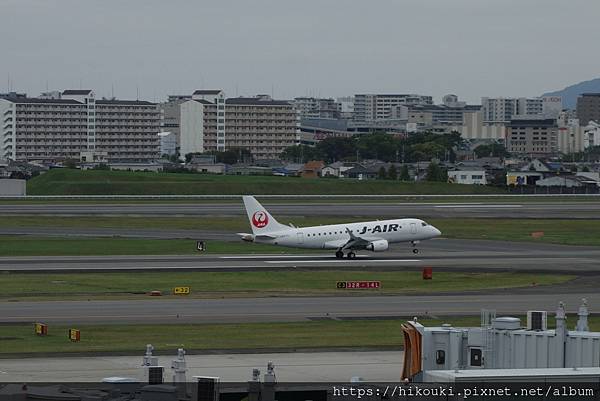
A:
(340, 255)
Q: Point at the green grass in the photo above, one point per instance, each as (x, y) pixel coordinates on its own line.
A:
(570, 232)
(77, 182)
(20, 339)
(235, 284)
(77, 246)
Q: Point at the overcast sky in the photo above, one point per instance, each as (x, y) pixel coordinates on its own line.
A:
(472, 48)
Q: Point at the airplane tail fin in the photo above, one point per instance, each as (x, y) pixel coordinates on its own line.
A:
(261, 221)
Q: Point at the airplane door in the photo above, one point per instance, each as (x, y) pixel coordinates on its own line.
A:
(413, 228)
(300, 238)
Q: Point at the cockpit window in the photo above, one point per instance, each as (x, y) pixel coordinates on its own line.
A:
(424, 224)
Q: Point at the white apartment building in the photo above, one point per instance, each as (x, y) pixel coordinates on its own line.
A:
(312, 107)
(502, 110)
(570, 138)
(260, 124)
(373, 107)
(346, 106)
(79, 126)
(591, 135)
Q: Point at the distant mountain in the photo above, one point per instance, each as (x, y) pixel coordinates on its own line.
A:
(570, 93)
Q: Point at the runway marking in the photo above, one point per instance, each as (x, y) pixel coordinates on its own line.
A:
(346, 261)
(277, 256)
(479, 206)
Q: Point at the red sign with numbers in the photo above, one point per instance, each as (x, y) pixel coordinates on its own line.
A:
(358, 285)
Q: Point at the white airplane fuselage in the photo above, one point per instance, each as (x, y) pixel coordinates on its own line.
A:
(375, 236)
(336, 235)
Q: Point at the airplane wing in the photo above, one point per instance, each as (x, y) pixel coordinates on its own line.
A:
(356, 242)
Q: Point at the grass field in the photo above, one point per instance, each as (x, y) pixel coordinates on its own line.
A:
(570, 232)
(17, 286)
(77, 246)
(77, 182)
(20, 339)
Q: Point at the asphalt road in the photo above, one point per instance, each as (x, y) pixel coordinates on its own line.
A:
(442, 254)
(158, 310)
(530, 209)
(332, 367)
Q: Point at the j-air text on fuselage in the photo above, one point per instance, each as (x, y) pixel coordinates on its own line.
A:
(371, 235)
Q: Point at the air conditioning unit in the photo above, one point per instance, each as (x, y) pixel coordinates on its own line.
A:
(206, 388)
(537, 320)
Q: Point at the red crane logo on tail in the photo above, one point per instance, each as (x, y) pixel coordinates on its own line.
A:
(260, 219)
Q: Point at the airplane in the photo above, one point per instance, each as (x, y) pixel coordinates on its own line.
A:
(373, 236)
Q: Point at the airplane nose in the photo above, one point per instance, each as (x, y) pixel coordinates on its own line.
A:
(436, 232)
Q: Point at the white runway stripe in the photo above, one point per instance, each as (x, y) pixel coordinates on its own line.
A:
(479, 206)
(327, 255)
(345, 261)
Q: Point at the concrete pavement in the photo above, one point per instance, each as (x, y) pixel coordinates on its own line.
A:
(489, 209)
(289, 367)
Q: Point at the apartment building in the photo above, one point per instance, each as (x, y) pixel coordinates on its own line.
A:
(588, 108)
(79, 126)
(570, 137)
(502, 110)
(373, 107)
(259, 124)
(532, 136)
(312, 107)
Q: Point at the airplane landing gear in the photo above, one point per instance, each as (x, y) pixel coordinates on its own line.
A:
(351, 255)
(415, 250)
(339, 254)
(414, 244)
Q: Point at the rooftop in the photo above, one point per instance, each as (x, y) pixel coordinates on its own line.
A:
(127, 102)
(207, 92)
(77, 92)
(29, 100)
(253, 101)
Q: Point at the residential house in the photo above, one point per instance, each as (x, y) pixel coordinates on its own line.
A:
(477, 177)
(312, 169)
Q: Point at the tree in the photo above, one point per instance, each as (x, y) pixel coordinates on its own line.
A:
(300, 154)
(404, 175)
(392, 173)
(378, 145)
(436, 173)
(336, 148)
(491, 150)
(381, 173)
(428, 150)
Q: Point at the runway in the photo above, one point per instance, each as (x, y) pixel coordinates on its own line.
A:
(442, 254)
(490, 209)
(236, 310)
(329, 367)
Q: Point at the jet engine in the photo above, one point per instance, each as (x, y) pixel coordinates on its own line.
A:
(378, 246)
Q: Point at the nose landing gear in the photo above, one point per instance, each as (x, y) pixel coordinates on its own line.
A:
(414, 245)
